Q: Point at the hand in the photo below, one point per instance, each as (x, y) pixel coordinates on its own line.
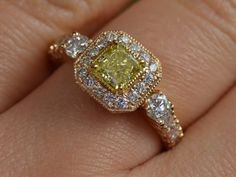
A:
(50, 128)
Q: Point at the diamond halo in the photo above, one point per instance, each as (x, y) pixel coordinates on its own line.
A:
(133, 48)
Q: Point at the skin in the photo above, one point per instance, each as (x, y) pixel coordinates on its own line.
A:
(50, 128)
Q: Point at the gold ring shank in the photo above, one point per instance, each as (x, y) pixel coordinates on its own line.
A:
(116, 60)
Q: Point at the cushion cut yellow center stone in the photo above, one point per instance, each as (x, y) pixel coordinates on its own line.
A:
(115, 67)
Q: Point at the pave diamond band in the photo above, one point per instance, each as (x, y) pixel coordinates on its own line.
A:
(122, 75)
(161, 114)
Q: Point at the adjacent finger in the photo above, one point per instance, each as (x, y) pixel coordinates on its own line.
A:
(26, 26)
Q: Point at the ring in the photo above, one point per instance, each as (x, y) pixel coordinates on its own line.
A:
(121, 75)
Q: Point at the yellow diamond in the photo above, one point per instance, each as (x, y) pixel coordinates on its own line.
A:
(116, 68)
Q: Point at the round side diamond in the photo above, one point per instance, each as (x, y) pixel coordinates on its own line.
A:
(158, 108)
(76, 45)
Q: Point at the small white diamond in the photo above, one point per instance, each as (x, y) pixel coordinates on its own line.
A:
(121, 103)
(133, 96)
(86, 61)
(94, 51)
(135, 47)
(82, 72)
(89, 82)
(148, 78)
(145, 56)
(153, 67)
(124, 39)
(102, 43)
(140, 87)
(98, 90)
(174, 132)
(109, 99)
(76, 45)
(111, 36)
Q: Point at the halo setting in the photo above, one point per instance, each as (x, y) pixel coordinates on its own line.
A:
(121, 67)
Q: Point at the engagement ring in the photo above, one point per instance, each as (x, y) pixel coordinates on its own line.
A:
(121, 75)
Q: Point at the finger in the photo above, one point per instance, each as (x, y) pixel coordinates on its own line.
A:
(207, 150)
(127, 140)
(22, 47)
